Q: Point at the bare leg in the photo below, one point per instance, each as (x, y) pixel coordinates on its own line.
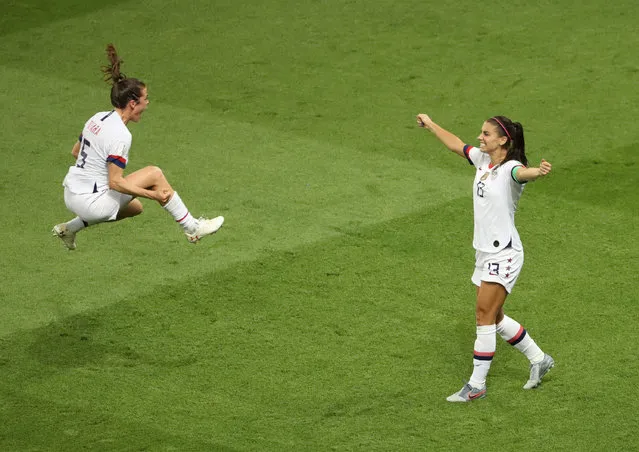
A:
(151, 177)
(490, 303)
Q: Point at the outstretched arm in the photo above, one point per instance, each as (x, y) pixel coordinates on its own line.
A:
(527, 174)
(449, 140)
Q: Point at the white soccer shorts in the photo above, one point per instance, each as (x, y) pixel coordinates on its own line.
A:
(96, 207)
(502, 267)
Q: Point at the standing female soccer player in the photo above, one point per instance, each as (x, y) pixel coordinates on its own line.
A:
(95, 188)
(501, 162)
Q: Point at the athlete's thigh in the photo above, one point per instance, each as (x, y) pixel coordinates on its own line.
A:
(147, 177)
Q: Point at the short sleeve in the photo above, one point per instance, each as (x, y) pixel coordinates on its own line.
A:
(473, 154)
(511, 166)
(119, 154)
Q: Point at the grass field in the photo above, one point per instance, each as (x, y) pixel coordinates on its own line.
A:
(334, 310)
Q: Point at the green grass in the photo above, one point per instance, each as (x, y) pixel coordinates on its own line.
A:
(334, 310)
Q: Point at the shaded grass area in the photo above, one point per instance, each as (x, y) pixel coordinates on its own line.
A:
(19, 15)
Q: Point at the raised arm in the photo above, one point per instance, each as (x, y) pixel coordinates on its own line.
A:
(528, 174)
(449, 140)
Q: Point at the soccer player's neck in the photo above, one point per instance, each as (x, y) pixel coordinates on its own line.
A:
(497, 157)
(123, 115)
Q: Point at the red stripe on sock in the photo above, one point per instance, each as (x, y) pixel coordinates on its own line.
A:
(486, 354)
(516, 337)
(182, 219)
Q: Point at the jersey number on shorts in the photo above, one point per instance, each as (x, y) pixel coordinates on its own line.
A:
(493, 269)
(85, 143)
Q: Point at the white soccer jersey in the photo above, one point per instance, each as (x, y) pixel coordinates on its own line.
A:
(495, 197)
(105, 139)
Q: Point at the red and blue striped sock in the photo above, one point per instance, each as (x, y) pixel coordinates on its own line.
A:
(517, 336)
(483, 353)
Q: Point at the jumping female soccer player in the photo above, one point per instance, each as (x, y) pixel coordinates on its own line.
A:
(500, 161)
(95, 188)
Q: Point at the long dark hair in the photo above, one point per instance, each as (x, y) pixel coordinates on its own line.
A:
(514, 133)
(123, 89)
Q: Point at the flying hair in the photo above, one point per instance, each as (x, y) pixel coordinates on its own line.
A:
(123, 88)
(112, 74)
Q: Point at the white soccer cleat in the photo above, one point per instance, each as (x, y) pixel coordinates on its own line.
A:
(205, 227)
(67, 237)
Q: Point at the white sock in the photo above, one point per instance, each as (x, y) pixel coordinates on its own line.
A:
(178, 210)
(515, 334)
(485, 346)
(76, 224)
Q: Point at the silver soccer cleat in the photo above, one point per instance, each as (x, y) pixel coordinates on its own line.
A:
(537, 371)
(467, 394)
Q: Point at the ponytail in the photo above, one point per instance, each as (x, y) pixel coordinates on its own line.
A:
(123, 89)
(112, 74)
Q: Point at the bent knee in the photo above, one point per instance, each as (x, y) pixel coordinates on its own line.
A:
(137, 209)
(156, 175)
(132, 209)
(155, 171)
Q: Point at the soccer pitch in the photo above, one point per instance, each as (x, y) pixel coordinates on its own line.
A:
(334, 310)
